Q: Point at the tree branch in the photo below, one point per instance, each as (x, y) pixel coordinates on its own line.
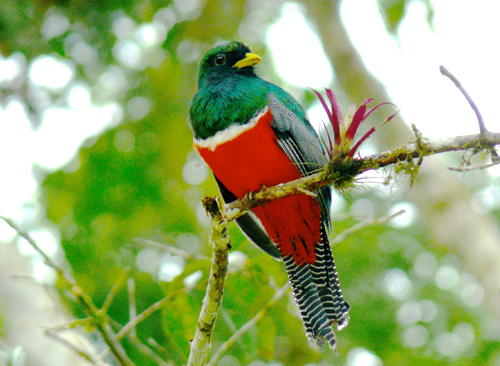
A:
(221, 243)
(470, 168)
(458, 84)
(370, 222)
(165, 248)
(341, 172)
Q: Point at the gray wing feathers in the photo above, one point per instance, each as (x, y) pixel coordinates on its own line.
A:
(306, 139)
(300, 142)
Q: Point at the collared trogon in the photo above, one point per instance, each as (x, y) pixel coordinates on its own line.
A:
(252, 133)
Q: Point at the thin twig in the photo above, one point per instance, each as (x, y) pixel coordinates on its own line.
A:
(130, 326)
(157, 347)
(449, 75)
(132, 303)
(469, 168)
(419, 144)
(164, 248)
(111, 337)
(339, 238)
(250, 324)
(115, 289)
(100, 321)
(146, 313)
(52, 332)
(141, 347)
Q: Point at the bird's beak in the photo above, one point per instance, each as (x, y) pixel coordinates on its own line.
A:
(249, 60)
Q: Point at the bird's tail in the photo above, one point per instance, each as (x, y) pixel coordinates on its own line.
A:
(318, 294)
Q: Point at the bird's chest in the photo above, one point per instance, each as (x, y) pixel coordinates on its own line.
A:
(245, 157)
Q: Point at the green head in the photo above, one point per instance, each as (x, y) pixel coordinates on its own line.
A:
(225, 61)
(230, 92)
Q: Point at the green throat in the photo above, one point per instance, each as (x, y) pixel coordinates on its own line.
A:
(230, 95)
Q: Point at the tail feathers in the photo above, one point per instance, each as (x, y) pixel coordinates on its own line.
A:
(326, 277)
(316, 321)
(318, 295)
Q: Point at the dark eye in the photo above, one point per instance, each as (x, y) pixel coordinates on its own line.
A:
(220, 60)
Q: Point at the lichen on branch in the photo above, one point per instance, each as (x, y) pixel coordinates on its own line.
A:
(352, 167)
(221, 244)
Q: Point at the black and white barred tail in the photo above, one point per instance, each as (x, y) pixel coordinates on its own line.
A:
(318, 294)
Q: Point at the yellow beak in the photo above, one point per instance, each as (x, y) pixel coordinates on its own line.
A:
(249, 60)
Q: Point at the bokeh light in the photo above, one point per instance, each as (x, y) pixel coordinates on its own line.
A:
(51, 72)
(416, 336)
(362, 357)
(171, 267)
(407, 218)
(397, 284)
(291, 38)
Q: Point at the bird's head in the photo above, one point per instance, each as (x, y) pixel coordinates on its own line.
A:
(226, 60)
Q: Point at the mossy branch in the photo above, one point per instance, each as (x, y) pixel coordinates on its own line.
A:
(341, 172)
(221, 244)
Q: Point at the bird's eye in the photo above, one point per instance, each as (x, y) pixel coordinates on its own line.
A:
(220, 60)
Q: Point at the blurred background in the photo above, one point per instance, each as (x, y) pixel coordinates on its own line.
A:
(96, 162)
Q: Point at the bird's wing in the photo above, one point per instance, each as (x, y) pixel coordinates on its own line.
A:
(299, 141)
(251, 225)
(302, 145)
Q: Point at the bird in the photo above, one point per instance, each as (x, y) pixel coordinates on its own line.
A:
(252, 133)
